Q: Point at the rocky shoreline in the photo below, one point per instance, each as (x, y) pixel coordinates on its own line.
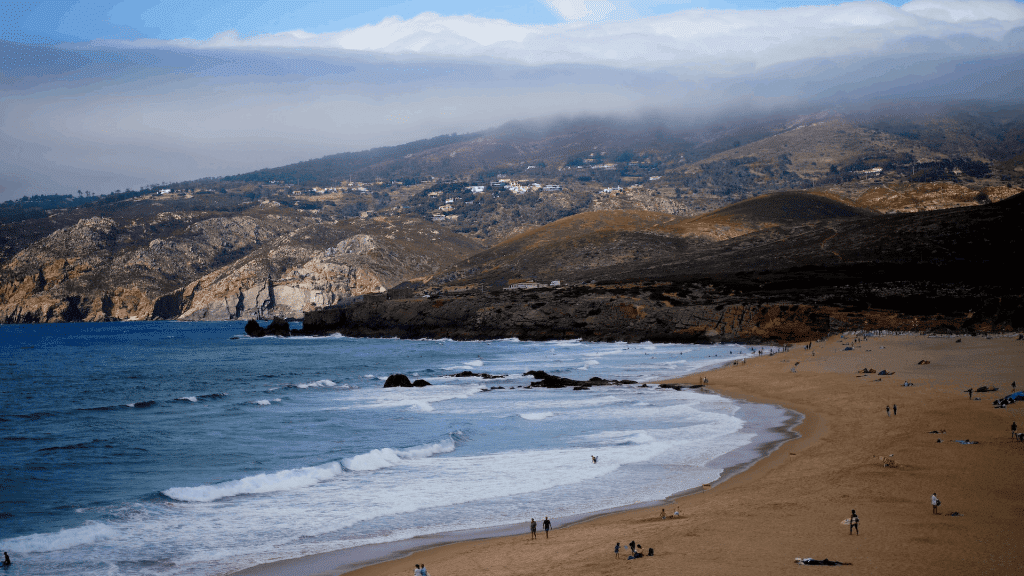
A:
(705, 313)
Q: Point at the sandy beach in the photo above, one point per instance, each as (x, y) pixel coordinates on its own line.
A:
(792, 503)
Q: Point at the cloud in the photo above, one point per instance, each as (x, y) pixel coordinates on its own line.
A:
(696, 39)
(112, 114)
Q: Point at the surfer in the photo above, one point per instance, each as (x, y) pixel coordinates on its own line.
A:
(7, 560)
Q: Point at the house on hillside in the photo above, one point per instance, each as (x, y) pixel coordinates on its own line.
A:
(477, 189)
(523, 286)
(552, 188)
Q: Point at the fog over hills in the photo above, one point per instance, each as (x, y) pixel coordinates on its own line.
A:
(114, 112)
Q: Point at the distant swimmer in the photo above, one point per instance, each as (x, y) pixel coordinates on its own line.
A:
(7, 559)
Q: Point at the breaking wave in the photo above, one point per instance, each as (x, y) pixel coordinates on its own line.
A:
(258, 484)
(387, 457)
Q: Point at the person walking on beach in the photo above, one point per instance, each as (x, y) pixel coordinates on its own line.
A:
(662, 513)
(894, 409)
(533, 529)
(547, 526)
(970, 393)
(854, 522)
(935, 503)
(886, 409)
(1013, 434)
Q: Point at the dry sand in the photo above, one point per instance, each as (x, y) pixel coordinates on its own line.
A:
(792, 503)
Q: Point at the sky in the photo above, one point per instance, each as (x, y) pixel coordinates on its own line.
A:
(106, 94)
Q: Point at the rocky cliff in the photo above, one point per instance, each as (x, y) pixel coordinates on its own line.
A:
(191, 266)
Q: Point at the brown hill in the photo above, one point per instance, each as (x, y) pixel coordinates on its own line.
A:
(620, 241)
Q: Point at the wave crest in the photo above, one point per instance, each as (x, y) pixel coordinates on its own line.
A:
(90, 533)
(387, 457)
(258, 484)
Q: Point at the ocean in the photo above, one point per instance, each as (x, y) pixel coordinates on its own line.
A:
(166, 448)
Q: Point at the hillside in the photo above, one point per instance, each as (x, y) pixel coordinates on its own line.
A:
(258, 263)
(942, 270)
(572, 200)
(576, 248)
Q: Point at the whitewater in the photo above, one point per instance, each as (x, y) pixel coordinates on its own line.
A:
(190, 449)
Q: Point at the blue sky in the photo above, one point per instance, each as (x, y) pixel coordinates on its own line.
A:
(82, 20)
(106, 94)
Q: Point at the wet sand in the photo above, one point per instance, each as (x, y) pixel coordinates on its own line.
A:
(792, 502)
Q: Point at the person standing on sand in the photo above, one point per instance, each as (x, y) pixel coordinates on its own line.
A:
(970, 393)
(886, 409)
(533, 529)
(547, 526)
(616, 550)
(854, 522)
(662, 513)
(894, 409)
(1013, 432)
(935, 503)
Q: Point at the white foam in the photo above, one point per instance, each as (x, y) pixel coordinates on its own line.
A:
(259, 484)
(388, 457)
(189, 398)
(262, 402)
(90, 533)
(317, 384)
(536, 415)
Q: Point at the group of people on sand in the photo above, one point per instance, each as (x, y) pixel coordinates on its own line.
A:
(533, 528)
(635, 551)
(674, 514)
(893, 410)
(420, 570)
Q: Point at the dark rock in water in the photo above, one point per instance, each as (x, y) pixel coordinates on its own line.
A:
(484, 375)
(420, 383)
(545, 380)
(253, 328)
(277, 327)
(398, 381)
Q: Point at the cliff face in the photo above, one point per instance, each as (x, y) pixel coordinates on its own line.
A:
(190, 267)
(675, 313)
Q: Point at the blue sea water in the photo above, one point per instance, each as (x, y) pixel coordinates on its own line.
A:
(188, 448)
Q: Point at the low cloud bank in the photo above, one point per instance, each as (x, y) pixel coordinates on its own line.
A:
(111, 115)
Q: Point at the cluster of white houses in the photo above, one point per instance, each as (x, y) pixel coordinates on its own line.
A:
(531, 285)
(517, 187)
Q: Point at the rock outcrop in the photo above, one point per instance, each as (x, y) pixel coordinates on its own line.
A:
(189, 267)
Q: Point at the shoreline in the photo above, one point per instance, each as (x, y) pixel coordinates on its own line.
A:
(767, 440)
(791, 503)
